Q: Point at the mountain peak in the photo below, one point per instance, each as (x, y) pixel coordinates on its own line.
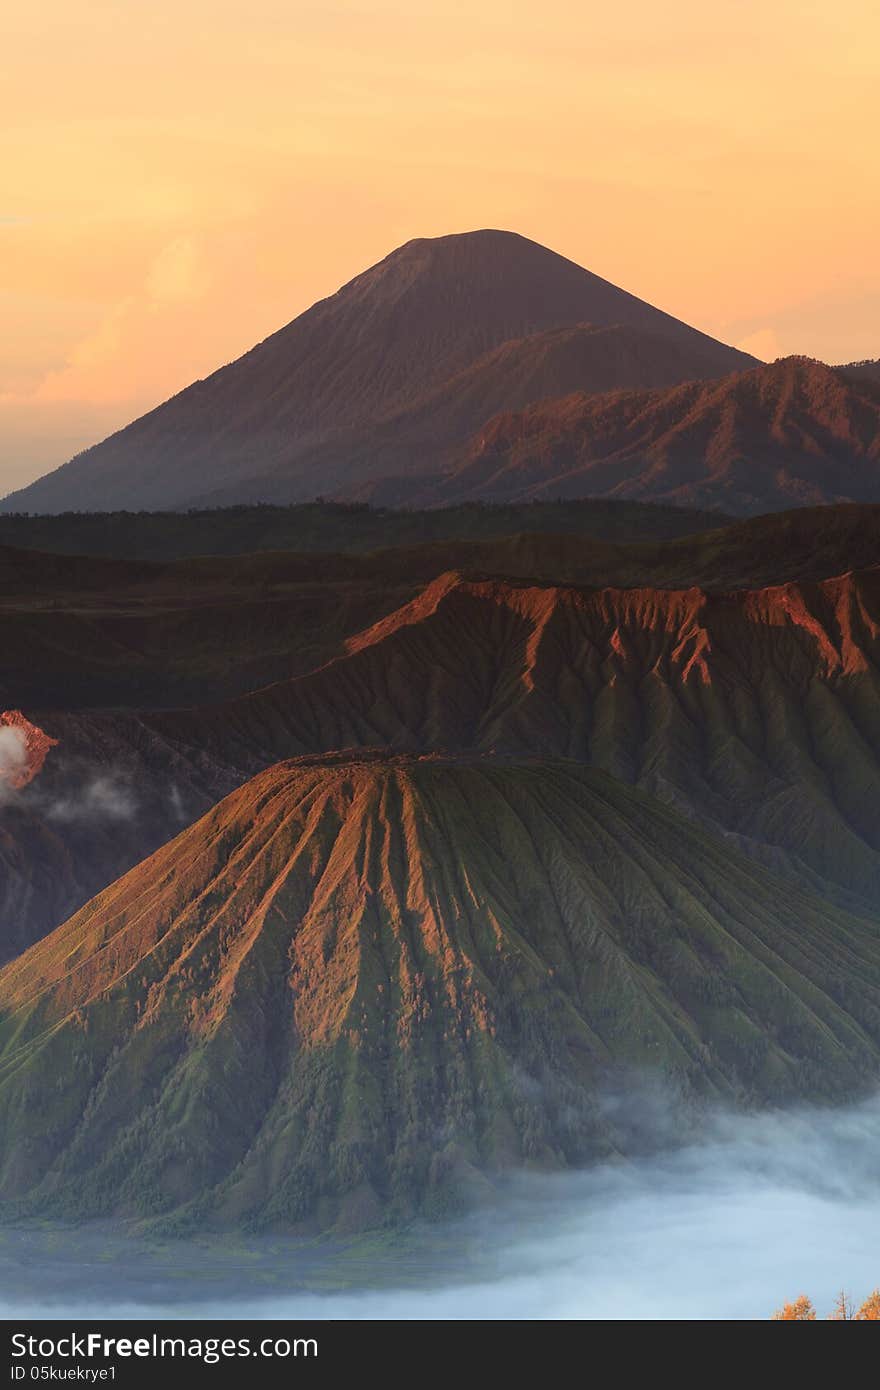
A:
(388, 375)
(457, 249)
(480, 239)
(799, 364)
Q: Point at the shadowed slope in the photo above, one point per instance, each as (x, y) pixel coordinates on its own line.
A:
(76, 633)
(295, 416)
(358, 984)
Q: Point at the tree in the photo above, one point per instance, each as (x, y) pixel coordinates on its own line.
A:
(844, 1309)
(870, 1309)
(801, 1310)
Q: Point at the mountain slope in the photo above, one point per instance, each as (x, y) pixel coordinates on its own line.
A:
(790, 434)
(360, 984)
(434, 431)
(290, 418)
(754, 712)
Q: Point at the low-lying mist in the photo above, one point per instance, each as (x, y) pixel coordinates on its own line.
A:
(761, 1209)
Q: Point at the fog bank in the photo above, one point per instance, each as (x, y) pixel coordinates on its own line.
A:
(762, 1209)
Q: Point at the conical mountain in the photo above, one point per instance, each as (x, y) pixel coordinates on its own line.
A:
(358, 386)
(361, 986)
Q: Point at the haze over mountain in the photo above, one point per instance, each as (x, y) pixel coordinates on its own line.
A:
(361, 986)
(389, 375)
(793, 433)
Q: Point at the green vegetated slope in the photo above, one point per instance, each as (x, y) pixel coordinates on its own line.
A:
(362, 985)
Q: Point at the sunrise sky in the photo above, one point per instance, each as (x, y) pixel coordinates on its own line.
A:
(181, 177)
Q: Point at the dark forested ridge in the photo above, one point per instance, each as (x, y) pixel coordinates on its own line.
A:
(314, 527)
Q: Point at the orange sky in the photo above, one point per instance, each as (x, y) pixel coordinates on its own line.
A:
(179, 179)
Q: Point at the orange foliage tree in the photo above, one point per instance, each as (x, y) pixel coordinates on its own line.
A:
(802, 1310)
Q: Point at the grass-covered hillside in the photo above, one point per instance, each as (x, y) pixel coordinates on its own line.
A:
(362, 987)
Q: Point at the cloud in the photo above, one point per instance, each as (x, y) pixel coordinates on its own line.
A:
(177, 273)
(763, 343)
(104, 797)
(85, 794)
(132, 334)
(13, 758)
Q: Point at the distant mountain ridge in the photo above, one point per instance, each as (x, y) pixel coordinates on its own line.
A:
(791, 433)
(389, 374)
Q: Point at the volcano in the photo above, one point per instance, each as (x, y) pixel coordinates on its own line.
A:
(391, 374)
(363, 987)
